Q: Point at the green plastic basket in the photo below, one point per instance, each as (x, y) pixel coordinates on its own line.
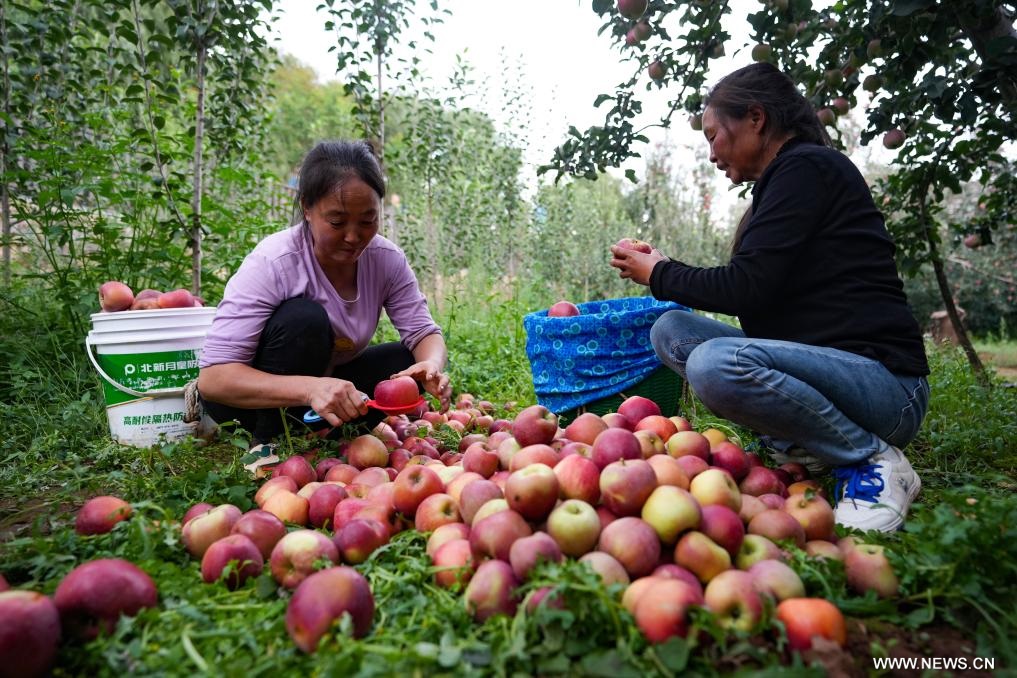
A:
(663, 386)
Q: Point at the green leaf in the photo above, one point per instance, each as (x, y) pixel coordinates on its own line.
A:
(909, 7)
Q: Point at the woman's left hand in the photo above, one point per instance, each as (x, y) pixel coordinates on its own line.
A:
(434, 380)
(633, 265)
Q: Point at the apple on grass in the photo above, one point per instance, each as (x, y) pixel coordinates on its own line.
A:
(820, 548)
(199, 532)
(493, 536)
(805, 619)
(236, 556)
(734, 600)
(607, 567)
(756, 548)
(774, 578)
(288, 507)
(99, 515)
(814, 513)
(295, 556)
(196, 510)
(436, 510)
(445, 534)
(575, 527)
(273, 485)
(868, 569)
(491, 591)
(262, 528)
(29, 633)
(526, 552)
(662, 611)
(633, 543)
(359, 538)
(453, 563)
(298, 468)
(322, 599)
(94, 595)
(672, 571)
(321, 505)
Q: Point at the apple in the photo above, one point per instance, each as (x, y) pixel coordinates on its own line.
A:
(827, 116)
(262, 528)
(359, 538)
(453, 563)
(366, 451)
(662, 611)
(578, 478)
(480, 460)
(489, 508)
(534, 454)
(199, 532)
(436, 510)
(273, 485)
(715, 436)
(535, 425)
(322, 468)
(456, 486)
(650, 444)
(680, 423)
(814, 513)
(397, 392)
(692, 466)
(526, 552)
(724, 527)
(670, 511)
(288, 507)
(731, 458)
(298, 468)
(444, 534)
(372, 477)
(563, 309)
(115, 296)
(668, 471)
(322, 503)
(294, 557)
(236, 550)
(872, 83)
(178, 298)
(868, 569)
(493, 536)
(776, 525)
(751, 507)
(4, 586)
(575, 527)
(625, 485)
(617, 420)
(507, 449)
(807, 618)
(807, 485)
(818, 548)
(776, 579)
(635, 591)
(760, 480)
(491, 591)
(772, 501)
(682, 443)
(585, 428)
(532, 491)
(797, 470)
(672, 571)
(894, 138)
(606, 566)
(632, 9)
(701, 555)
(716, 486)
(658, 424)
(99, 515)
(94, 595)
(637, 408)
(196, 510)
(447, 474)
(545, 595)
(614, 444)
(342, 473)
(412, 486)
(475, 495)
(29, 633)
(307, 491)
(734, 600)
(322, 599)
(762, 52)
(386, 516)
(633, 543)
(756, 548)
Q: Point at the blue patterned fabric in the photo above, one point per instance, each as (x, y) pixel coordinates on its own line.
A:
(604, 350)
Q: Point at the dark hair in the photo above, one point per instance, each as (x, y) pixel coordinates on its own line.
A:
(329, 164)
(788, 112)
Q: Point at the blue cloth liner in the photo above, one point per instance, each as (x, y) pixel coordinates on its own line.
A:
(603, 351)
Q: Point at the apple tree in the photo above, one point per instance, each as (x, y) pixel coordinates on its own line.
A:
(939, 82)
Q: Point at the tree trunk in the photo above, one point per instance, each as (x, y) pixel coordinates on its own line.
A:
(199, 133)
(381, 109)
(999, 24)
(5, 198)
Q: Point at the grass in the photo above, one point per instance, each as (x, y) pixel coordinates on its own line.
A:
(956, 559)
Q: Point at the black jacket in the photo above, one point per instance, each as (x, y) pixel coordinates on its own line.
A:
(815, 265)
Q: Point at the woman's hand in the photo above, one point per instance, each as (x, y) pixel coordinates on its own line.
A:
(337, 400)
(636, 266)
(435, 382)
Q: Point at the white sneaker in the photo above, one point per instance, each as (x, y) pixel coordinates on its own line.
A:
(876, 494)
(799, 455)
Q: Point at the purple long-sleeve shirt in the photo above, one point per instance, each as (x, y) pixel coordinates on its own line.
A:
(283, 266)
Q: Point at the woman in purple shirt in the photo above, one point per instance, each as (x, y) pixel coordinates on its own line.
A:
(295, 323)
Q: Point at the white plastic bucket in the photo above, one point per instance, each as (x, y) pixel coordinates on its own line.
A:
(145, 359)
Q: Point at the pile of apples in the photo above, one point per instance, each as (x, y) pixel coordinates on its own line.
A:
(116, 296)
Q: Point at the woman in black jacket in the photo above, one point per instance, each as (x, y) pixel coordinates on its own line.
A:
(829, 363)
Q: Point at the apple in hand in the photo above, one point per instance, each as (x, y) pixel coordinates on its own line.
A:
(115, 296)
(397, 392)
(635, 245)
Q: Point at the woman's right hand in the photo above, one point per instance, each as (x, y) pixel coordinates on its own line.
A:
(337, 400)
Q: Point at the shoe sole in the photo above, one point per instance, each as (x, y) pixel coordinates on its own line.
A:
(913, 491)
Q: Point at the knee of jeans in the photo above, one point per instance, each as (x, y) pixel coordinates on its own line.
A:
(707, 373)
(306, 314)
(663, 334)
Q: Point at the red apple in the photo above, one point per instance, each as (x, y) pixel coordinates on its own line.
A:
(637, 408)
(322, 468)
(321, 505)
(617, 420)
(562, 309)
(199, 532)
(29, 633)
(615, 444)
(868, 569)
(236, 550)
(760, 480)
(535, 425)
(751, 507)
(455, 487)
(734, 600)
(475, 495)
(298, 468)
(359, 538)
(777, 580)
(397, 392)
(288, 507)
(196, 510)
(178, 298)
(262, 528)
(371, 477)
(814, 513)
(672, 571)
(658, 424)
(692, 466)
(633, 543)
(526, 552)
(632, 9)
(683, 443)
(273, 485)
(534, 454)
(731, 458)
(493, 536)
(607, 567)
(776, 525)
(100, 514)
(480, 460)
(823, 549)
(444, 534)
(894, 138)
(650, 444)
(294, 557)
(669, 471)
(532, 491)
(366, 451)
(575, 527)
(724, 527)
(662, 611)
(578, 478)
(491, 591)
(412, 486)
(436, 510)
(94, 595)
(341, 473)
(585, 428)
(807, 618)
(644, 248)
(453, 563)
(625, 485)
(322, 599)
(115, 296)
(701, 555)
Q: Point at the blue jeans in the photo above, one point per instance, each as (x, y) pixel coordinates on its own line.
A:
(835, 404)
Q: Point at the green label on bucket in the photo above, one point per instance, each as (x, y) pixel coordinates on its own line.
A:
(144, 372)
